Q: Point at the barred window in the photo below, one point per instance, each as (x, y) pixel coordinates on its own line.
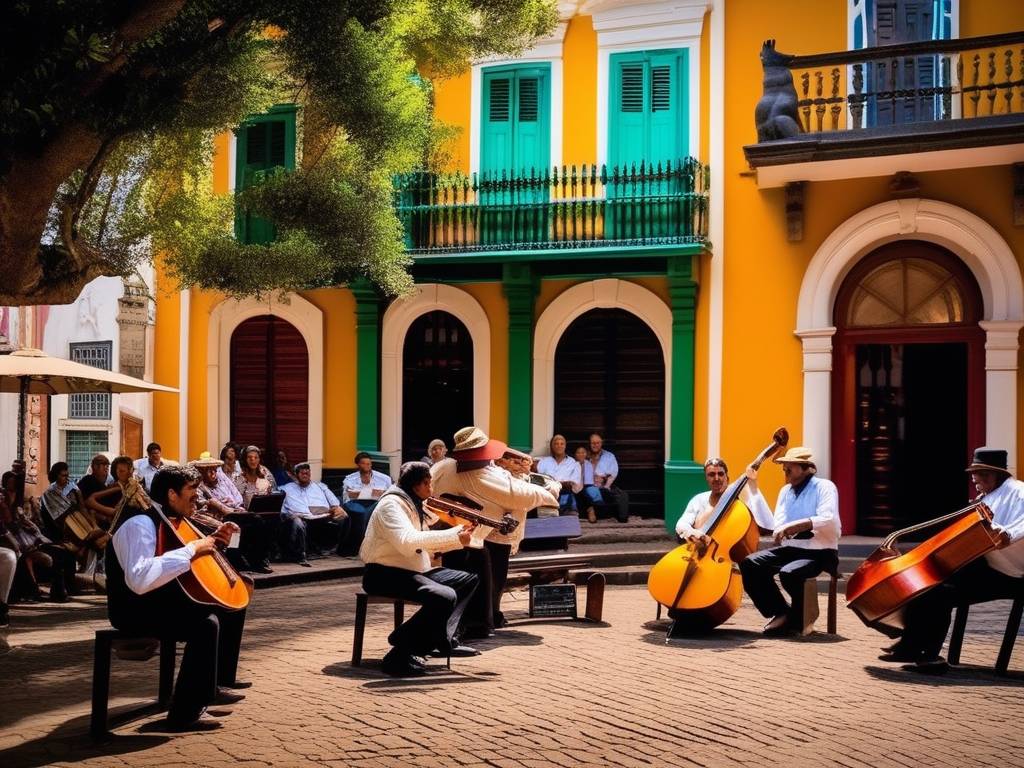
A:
(92, 406)
(82, 445)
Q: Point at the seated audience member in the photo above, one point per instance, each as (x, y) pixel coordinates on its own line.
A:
(566, 470)
(283, 473)
(16, 492)
(124, 480)
(65, 507)
(397, 551)
(150, 464)
(35, 552)
(97, 480)
(219, 499)
(8, 565)
(232, 467)
(606, 469)
(254, 479)
(306, 501)
(361, 490)
(436, 451)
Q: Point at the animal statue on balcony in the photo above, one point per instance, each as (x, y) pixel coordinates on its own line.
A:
(776, 113)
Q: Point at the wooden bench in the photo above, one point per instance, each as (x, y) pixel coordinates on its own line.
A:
(956, 640)
(105, 639)
(363, 601)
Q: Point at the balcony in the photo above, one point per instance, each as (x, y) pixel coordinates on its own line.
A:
(915, 107)
(554, 211)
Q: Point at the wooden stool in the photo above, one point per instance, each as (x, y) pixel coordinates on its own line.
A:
(362, 601)
(811, 611)
(101, 676)
(956, 640)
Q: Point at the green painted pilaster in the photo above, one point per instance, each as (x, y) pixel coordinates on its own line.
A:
(367, 405)
(684, 477)
(520, 291)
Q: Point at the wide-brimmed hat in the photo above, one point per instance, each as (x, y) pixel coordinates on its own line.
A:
(798, 455)
(206, 460)
(472, 444)
(991, 459)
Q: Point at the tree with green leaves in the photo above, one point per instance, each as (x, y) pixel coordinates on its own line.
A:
(108, 110)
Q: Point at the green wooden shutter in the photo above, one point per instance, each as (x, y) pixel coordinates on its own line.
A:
(496, 138)
(648, 110)
(265, 142)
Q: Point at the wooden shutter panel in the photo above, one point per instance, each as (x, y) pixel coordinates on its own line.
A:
(661, 88)
(529, 99)
(496, 141)
(632, 88)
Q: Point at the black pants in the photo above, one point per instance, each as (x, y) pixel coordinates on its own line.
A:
(213, 639)
(478, 620)
(358, 511)
(61, 573)
(443, 594)
(500, 554)
(794, 565)
(926, 618)
(298, 531)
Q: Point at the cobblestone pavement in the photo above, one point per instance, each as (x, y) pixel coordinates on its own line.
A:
(541, 694)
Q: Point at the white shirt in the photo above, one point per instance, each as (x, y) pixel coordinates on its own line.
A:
(394, 536)
(299, 498)
(354, 482)
(135, 544)
(697, 504)
(824, 521)
(606, 465)
(145, 471)
(567, 470)
(588, 472)
(1007, 505)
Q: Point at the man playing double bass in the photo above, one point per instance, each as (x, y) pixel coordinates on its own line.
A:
(806, 528)
(144, 598)
(995, 576)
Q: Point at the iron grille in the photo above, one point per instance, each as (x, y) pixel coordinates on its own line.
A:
(98, 354)
(82, 445)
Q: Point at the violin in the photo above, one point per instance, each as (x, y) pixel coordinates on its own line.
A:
(703, 584)
(456, 510)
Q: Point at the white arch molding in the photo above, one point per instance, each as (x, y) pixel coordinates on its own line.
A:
(980, 247)
(398, 317)
(556, 319)
(228, 315)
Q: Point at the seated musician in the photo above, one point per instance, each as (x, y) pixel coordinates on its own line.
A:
(64, 505)
(144, 598)
(995, 576)
(806, 528)
(397, 550)
(306, 501)
(218, 498)
(471, 472)
(698, 510)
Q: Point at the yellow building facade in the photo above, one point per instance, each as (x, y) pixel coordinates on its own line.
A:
(616, 249)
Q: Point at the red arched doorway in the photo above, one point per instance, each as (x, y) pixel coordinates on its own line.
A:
(270, 388)
(437, 382)
(908, 386)
(610, 379)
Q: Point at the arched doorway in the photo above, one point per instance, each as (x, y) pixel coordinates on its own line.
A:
(437, 382)
(908, 386)
(610, 378)
(270, 387)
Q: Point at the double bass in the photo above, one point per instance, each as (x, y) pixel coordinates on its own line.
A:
(888, 579)
(705, 586)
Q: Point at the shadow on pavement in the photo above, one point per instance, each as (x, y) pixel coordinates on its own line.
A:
(716, 640)
(437, 674)
(69, 743)
(959, 675)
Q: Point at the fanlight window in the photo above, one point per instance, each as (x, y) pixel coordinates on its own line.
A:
(908, 291)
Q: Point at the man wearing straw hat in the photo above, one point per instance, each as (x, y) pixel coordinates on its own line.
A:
(995, 576)
(805, 526)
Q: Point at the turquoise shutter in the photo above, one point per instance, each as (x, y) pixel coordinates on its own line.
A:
(496, 139)
(647, 108)
(265, 142)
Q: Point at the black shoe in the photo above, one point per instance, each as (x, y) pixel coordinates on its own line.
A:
(58, 594)
(900, 656)
(237, 685)
(225, 698)
(462, 651)
(177, 724)
(5, 617)
(418, 661)
(399, 666)
(936, 665)
(304, 563)
(262, 568)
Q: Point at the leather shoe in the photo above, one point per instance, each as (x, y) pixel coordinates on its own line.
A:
(304, 563)
(224, 698)
(402, 668)
(237, 685)
(933, 666)
(201, 722)
(899, 656)
(463, 651)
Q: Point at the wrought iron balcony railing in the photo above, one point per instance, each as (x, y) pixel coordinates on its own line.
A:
(561, 208)
(893, 85)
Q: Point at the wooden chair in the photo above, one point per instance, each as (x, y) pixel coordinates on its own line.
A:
(363, 600)
(101, 676)
(956, 640)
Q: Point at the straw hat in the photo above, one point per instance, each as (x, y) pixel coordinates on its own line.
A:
(798, 455)
(472, 444)
(991, 459)
(206, 460)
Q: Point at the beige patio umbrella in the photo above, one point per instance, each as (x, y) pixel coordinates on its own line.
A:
(32, 372)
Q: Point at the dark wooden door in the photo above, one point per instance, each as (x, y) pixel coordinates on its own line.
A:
(437, 382)
(270, 387)
(131, 436)
(610, 379)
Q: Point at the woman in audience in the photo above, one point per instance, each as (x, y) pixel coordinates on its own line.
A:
(232, 468)
(255, 479)
(566, 470)
(35, 552)
(64, 506)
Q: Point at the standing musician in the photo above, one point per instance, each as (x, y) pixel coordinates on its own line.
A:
(806, 528)
(397, 549)
(143, 598)
(471, 473)
(996, 576)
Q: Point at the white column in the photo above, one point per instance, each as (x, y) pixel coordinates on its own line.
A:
(817, 430)
(183, 349)
(1002, 341)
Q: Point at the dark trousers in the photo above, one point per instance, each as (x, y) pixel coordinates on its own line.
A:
(478, 620)
(443, 594)
(500, 554)
(359, 511)
(794, 565)
(213, 639)
(298, 531)
(61, 573)
(926, 618)
(257, 533)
